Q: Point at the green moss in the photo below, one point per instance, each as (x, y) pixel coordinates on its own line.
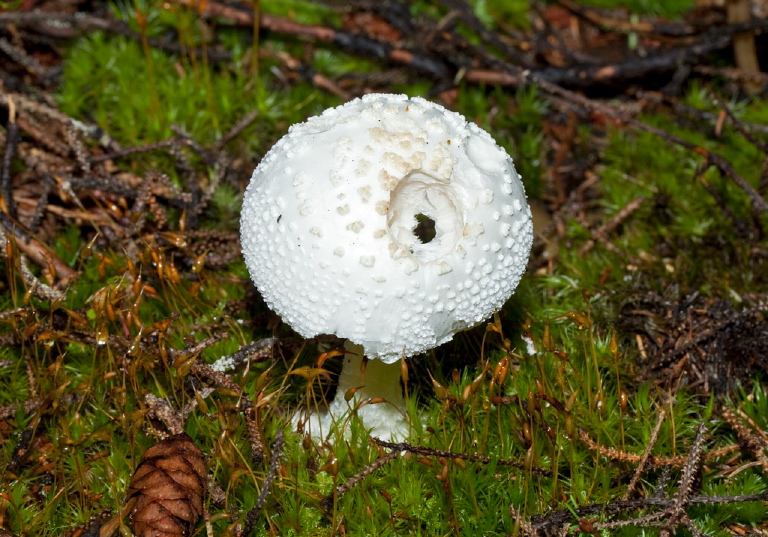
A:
(302, 11)
(663, 8)
(137, 95)
(107, 80)
(512, 12)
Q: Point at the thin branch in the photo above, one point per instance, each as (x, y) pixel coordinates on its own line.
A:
(254, 352)
(253, 515)
(37, 251)
(542, 523)
(341, 490)
(11, 141)
(713, 159)
(624, 456)
(463, 456)
(646, 454)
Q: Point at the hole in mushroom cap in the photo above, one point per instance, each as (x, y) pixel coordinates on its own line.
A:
(425, 228)
(424, 216)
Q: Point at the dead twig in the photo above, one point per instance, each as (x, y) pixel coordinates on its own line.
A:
(673, 514)
(420, 450)
(235, 131)
(623, 456)
(341, 490)
(255, 436)
(732, 73)
(37, 251)
(253, 515)
(11, 141)
(677, 512)
(698, 115)
(357, 44)
(752, 442)
(743, 128)
(42, 203)
(164, 144)
(307, 73)
(35, 405)
(543, 524)
(468, 17)
(21, 57)
(646, 455)
(38, 288)
(713, 159)
(210, 375)
(587, 75)
(254, 352)
(601, 233)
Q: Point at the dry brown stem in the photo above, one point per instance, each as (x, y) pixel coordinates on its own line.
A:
(623, 456)
(274, 465)
(753, 442)
(646, 454)
(420, 450)
(342, 489)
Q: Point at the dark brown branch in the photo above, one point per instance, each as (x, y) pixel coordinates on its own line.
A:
(306, 72)
(241, 125)
(546, 524)
(39, 405)
(747, 438)
(587, 75)
(713, 159)
(36, 250)
(601, 233)
(164, 144)
(11, 141)
(357, 44)
(685, 487)
(253, 515)
(632, 458)
(463, 456)
(22, 58)
(67, 25)
(256, 351)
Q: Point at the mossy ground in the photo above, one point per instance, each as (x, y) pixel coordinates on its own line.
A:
(92, 424)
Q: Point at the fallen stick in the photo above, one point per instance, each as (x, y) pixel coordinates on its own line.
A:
(37, 251)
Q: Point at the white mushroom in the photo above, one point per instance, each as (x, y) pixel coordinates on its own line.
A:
(331, 236)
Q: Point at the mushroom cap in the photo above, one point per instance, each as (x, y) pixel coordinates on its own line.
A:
(329, 217)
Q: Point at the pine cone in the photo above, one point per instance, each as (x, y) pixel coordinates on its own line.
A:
(169, 485)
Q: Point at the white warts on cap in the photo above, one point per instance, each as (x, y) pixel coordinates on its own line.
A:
(398, 224)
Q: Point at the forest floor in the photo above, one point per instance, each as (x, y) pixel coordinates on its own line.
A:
(621, 389)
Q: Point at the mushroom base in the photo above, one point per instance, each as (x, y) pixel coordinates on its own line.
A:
(384, 416)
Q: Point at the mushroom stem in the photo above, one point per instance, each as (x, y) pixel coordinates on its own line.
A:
(384, 416)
